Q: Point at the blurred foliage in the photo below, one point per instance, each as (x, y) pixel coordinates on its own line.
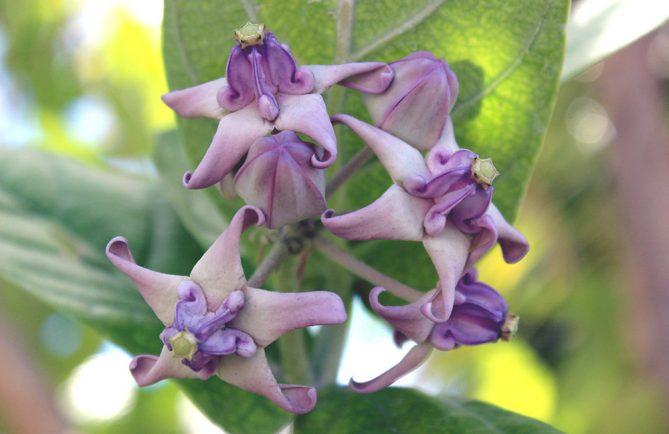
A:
(571, 365)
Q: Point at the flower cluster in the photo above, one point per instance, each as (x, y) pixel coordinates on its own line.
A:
(270, 110)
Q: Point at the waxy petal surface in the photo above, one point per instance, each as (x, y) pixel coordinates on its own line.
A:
(148, 370)
(159, 290)
(220, 271)
(396, 215)
(400, 159)
(234, 136)
(268, 315)
(369, 77)
(197, 101)
(254, 374)
(449, 251)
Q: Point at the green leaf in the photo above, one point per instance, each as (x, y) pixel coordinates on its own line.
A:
(598, 29)
(199, 214)
(407, 411)
(56, 217)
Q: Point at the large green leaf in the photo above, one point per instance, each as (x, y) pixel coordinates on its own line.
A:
(56, 217)
(407, 411)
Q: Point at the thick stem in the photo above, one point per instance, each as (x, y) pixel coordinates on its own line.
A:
(294, 355)
(348, 170)
(360, 269)
(270, 263)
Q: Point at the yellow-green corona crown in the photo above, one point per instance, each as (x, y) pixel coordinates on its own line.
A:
(510, 327)
(250, 34)
(184, 345)
(484, 171)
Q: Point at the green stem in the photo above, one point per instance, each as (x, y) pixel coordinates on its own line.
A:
(292, 346)
(329, 343)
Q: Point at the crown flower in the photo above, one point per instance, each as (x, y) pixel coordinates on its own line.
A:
(264, 90)
(480, 315)
(437, 200)
(417, 104)
(215, 324)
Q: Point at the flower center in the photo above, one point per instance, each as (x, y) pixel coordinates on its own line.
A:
(184, 345)
(483, 171)
(250, 34)
(198, 336)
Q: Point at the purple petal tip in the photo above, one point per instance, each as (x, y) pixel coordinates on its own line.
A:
(327, 161)
(186, 179)
(428, 312)
(118, 247)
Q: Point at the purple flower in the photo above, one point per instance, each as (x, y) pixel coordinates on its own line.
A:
(263, 90)
(215, 324)
(480, 316)
(443, 200)
(278, 178)
(417, 103)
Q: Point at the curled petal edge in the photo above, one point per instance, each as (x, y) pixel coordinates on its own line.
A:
(412, 360)
(158, 290)
(149, 369)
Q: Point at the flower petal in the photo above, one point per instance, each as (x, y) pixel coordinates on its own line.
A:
(283, 69)
(219, 271)
(368, 77)
(229, 341)
(278, 178)
(514, 244)
(253, 374)
(400, 159)
(238, 91)
(449, 251)
(159, 290)
(483, 240)
(396, 215)
(235, 134)
(267, 315)
(307, 114)
(469, 325)
(483, 296)
(406, 319)
(413, 359)
(446, 142)
(197, 101)
(147, 369)
(435, 219)
(192, 305)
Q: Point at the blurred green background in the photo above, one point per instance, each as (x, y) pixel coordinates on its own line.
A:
(84, 79)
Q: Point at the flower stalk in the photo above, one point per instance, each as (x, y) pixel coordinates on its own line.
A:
(360, 269)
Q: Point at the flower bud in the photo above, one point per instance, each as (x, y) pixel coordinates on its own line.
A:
(278, 178)
(417, 103)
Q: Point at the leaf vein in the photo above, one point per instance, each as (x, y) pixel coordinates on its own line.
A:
(518, 59)
(409, 24)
